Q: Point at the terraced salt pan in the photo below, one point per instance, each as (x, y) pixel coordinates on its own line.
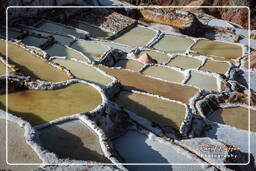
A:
(159, 57)
(94, 31)
(84, 71)
(114, 45)
(32, 65)
(74, 140)
(164, 73)
(136, 147)
(203, 81)
(59, 28)
(235, 116)
(18, 150)
(62, 51)
(52, 104)
(33, 41)
(133, 80)
(214, 48)
(173, 44)
(63, 39)
(136, 37)
(11, 33)
(215, 66)
(90, 48)
(159, 111)
(185, 62)
(129, 64)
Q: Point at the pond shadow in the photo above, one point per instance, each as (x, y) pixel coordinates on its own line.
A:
(68, 145)
(145, 112)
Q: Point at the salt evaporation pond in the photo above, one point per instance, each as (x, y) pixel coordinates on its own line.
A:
(129, 64)
(203, 81)
(85, 72)
(164, 73)
(62, 51)
(146, 150)
(41, 106)
(215, 66)
(235, 116)
(33, 41)
(80, 141)
(136, 37)
(173, 44)
(94, 31)
(32, 65)
(133, 80)
(159, 111)
(18, 150)
(159, 57)
(57, 27)
(185, 62)
(226, 50)
(60, 38)
(91, 49)
(11, 33)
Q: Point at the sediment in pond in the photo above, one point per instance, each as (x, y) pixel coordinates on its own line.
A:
(136, 37)
(84, 71)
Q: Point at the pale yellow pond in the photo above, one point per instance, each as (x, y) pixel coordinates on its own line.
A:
(94, 31)
(84, 71)
(90, 48)
(185, 62)
(32, 65)
(173, 44)
(203, 81)
(159, 57)
(235, 116)
(62, 51)
(41, 106)
(156, 110)
(129, 64)
(136, 37)
(56, 27)
(215, 66)
(226, 50)
(164, 73)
